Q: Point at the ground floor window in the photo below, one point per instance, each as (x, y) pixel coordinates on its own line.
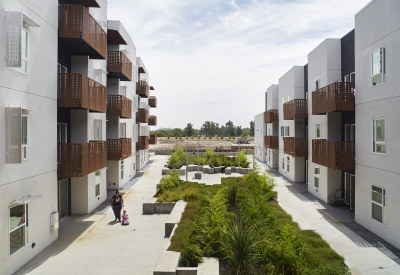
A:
(316, 176)
(287, 163)
(378, 204)
(122, 169)
(19, 230)
(283, 162)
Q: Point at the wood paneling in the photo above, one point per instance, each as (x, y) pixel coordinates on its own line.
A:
(296, 147)
(337, 155)
(271, 142)
(271, 116)
(336, 97)
(296, 108)
(118, 105)
(119, 66)
(119, 149)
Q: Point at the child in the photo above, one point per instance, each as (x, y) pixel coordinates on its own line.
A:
(125, 219)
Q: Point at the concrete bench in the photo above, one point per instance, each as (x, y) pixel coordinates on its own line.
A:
(194, 167)
(205, 169)
(182, 170)
(227, 170)
(218, 169)
(167, 263)
(233, 169)
(174, 217)
(190, 168)
(209, 266)
(210, 170)
(197, 176)
(186, 271)
(158, 208)
(200, 168)
(164, 171)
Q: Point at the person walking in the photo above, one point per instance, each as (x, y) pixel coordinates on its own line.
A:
(117, 202)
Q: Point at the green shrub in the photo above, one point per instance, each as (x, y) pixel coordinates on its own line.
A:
(169, 182)
(241, 160)
(177, 158)
(331, 268)
(232, 195)
(191, 255)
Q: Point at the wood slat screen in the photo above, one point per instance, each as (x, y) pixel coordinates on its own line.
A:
(296, 108)
(336, 97)
(142, 116)
(77, 23)
(271, 142)
(337, 155)
(296, 147)
(119, 105)
(142, 88)
(152, 121)
(153, 139)
(271, 116)
(119, 149)
(143, 143)
(119, 65)
(153, 101)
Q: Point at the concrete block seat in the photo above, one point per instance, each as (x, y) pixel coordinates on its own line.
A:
(182, 170)
(205, 169)
(174, 217)
(167, 263)
(210, 170)
(218, 169)
(228, 170)
(190, 168)
(233, 169)
(197, 176)
(164, 171)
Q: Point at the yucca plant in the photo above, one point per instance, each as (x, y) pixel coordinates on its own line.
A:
(232, 195)
(239, 246)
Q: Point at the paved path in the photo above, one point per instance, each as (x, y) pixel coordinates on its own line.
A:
(312, 214)
(93, 244)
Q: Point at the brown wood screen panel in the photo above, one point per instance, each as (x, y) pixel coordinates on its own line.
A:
(271, 142)
(80, 159)
(119, 66)
(296, 147)
(118, 105)
(153, 139)
(143, 143)
(119, 149)
(337, 155)
(79, 91)
(296, 108)
(142, 116)
(152, 121)
(142, 89)
(153, 101)
(80, 34)
(271, 116)
(336, 97)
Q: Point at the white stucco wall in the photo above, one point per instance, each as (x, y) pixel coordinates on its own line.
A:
(259, 133)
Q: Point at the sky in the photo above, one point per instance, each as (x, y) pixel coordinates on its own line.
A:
(214, 59)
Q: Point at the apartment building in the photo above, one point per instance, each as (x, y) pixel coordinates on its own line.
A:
(271, 119)
(28, 102)
(377, 59)
(358, 163)
(259, 131)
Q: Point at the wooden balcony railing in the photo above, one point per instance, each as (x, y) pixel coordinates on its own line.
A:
(81, 159)
(118, 105)
(119, 149)
(336, 97)
(153, 101)
(297, 108)
(337, 155)
(142, 116)
(119, 66)
(142, 89)
(152, 121)
(79, 91)
(80, 34)
(153, 139)
(271, 142)
(143, 143)
(271, 116)
(296, 147)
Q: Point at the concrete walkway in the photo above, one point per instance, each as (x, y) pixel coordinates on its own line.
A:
(329, 222)
(94, 244)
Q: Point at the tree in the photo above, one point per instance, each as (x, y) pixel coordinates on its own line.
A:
(239, 131)
(230, 128)
(252, 128)
(188, 130)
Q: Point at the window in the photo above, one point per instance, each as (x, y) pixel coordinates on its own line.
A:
(287, 131)
(378, 67)
(287, 163)
(122, 169)
(123, 130)
(97, 129)
(269, 155)
(24, 137)
(283, 162)
(378, 204)
(347, 78)
(317, 130)
(317, 84)
(353, 77)
(378, 133)
(62, 132)
(282, 131)
(19, 231)
(24, 51)
(316, 176)
(97, 181)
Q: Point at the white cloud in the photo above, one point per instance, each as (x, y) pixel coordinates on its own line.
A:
(214, 59)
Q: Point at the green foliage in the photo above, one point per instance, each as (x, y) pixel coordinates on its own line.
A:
(205, 137)
(191, 255)
(169, 182)
(232, 195)
(169, 136)
(210, 137)
(331, 268)
(241, 160)
(177, 158)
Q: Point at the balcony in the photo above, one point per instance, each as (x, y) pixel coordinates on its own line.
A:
(142, 116)
(86, 3)
(296, 147)
(118, 105)
(80, 159)
(79, 91)
(142, 88)
(152, 121)
(119, 66)
(143, 143)
(297, 108)
(153, 101)
(271, 116)
(153, 139)
(336, 97)
(119, 149)
(338, 155)
(80, 34)
(271, 142)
